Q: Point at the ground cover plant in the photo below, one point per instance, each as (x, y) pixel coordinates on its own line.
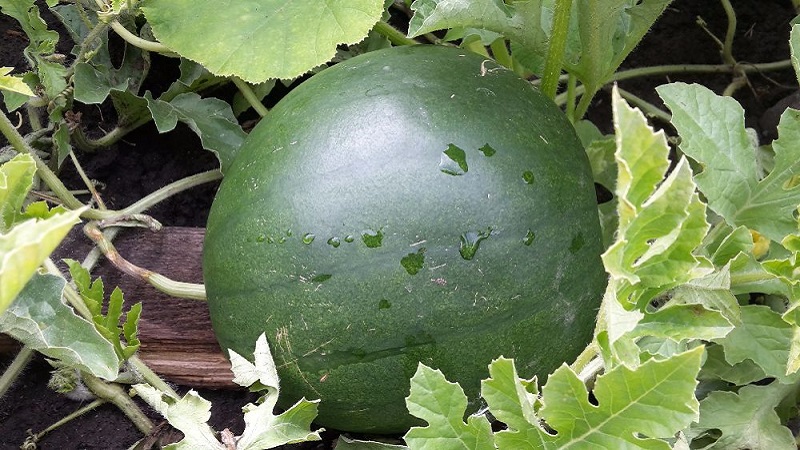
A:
(696, 340)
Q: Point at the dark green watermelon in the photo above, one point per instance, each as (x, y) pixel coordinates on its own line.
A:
(414, 204)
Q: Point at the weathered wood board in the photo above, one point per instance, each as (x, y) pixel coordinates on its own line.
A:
(178, 342)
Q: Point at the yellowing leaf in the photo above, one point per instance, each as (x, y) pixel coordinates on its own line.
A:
(661, 221)
(13, 83)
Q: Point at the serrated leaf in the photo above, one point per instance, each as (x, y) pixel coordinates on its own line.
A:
(729, 178)
(442, 405)
(27, 14)
(39, 319)
(661, 221)
(683, 322)
(434, 15)
(259, 40)
(265, 430)
(523, 23)
(749, 276)
(261, 371)
(763, 337)
(711, 292)
(616, 27)
(188, 414)
(25, 247)
(747, 419)
(92, 292)
(11, 83)
(16, 179)
(514, 402)
(130, 330)
(211, 118)
(738, 240)
(716, 367)
(634, 407)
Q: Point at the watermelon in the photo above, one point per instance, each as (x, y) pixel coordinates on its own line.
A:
(413, 204)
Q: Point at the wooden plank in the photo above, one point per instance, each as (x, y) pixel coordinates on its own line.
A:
(178, 342)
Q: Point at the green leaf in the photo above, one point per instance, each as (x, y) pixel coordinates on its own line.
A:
(25, 247)
(634, 407)
(434, 15)
(442, 405)
(747, 419)
(661, 221)
(523, 22)
(188, 414)
(265, 430)
(763, 337)
(259, 40)
(711, 292)
(261, 372)
(716, 367)
(211, 118)
(92, 292)
(40, 319)
(107, 324)
(607, 32)
(13, 83)
(681, 322)
(27, 14)
(262, 428)
(16, 179)
(514, 402)
(730, 175)
(738, 240)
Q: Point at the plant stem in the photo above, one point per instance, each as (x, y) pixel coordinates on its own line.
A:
(166, 285)
(649, 109)
(42, 171)
(394, 35)
(87, 181)
(168, 191)
(115, 394)
(500, 53)
(727, 46)
(700, 68)
(555, 52)
(35, 438)
(14, 370)
(143, 44)
(250, 96)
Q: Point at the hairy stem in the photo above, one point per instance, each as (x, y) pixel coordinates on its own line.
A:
(113, 393)
(555, 52)
(14, 370)
(35, 438)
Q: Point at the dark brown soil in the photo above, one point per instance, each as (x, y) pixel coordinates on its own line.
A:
(146, 161)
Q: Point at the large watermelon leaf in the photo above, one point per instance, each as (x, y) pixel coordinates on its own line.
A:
(261, 39)
(713, 133)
